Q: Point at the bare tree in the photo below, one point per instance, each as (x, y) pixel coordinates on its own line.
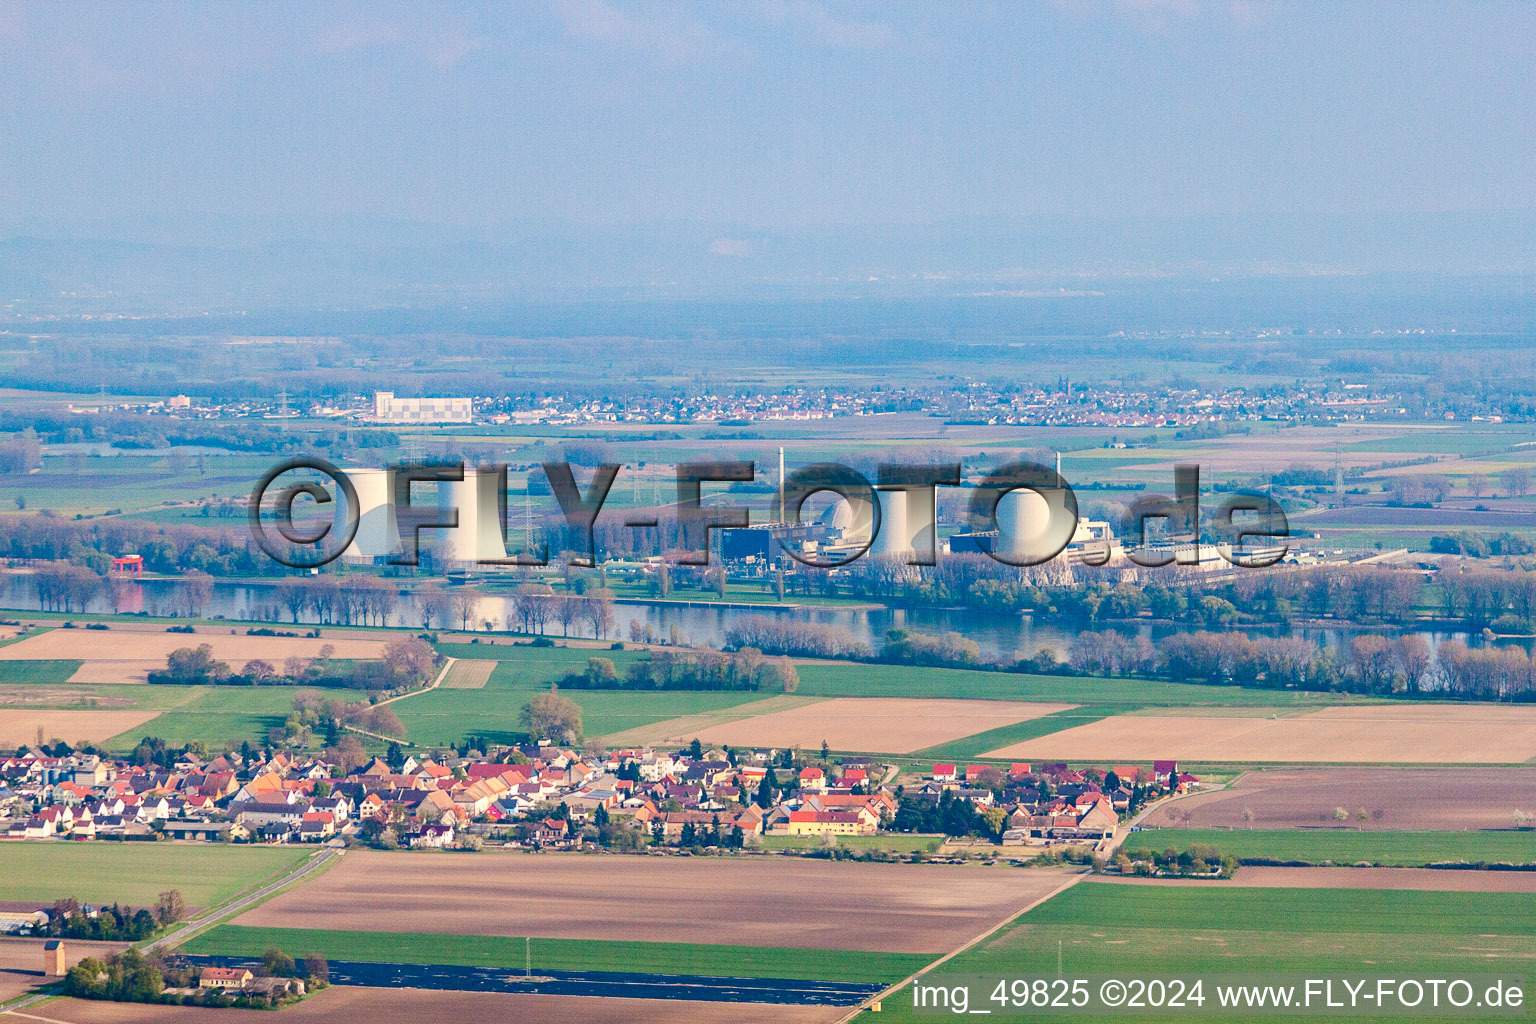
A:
(568, 608)
(196, 592)
(465, 601)
(533, 604)
(293, 594)
(599, 611)
(433, 605)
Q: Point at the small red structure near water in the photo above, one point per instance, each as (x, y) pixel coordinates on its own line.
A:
(129, 565)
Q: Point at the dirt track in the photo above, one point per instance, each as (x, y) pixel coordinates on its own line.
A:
(408, 1006)
(779, 901)
(895, 725)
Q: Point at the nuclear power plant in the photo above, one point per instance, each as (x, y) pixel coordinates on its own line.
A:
(378, 533)
(477, 536)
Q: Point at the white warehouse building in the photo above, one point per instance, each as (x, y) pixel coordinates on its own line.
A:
(389, 409)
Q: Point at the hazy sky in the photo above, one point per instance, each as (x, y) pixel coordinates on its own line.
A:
(774, 114)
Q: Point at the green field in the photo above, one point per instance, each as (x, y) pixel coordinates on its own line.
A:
(217, 715)
(1344, 846)
(450, 716)
(135, 873)
(894, 843)
(970, 747)
(37, 671)
(564, 954)
(1178, 931)
(228, 715)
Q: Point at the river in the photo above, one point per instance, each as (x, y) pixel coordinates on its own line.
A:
(1000, 637)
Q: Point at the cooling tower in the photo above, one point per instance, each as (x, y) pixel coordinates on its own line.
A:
(895, 537)
(922, 519)
(1031, 525)
(377, 532)
(853, 519)
(478, 534)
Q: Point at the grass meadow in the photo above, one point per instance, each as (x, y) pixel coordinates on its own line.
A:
(1179, 931)
(136, 873)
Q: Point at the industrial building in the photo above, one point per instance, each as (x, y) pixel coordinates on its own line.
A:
(389, 409)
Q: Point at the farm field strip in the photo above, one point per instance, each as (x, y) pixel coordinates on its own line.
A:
(1400, 733)
(1348, 846)
(24, 727)
(969, 748)
(1355, 879)
(136, 873)
(1410, 799)
(133, 645)
(411, 1005)
(893, 725)
(28, 671)
(779, 902)
(834, 679)
(220, 714)
(726, 961)
(469, 675)
(690, 726)
(1179, 930)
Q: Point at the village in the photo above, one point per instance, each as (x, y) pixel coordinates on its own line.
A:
(544, 797)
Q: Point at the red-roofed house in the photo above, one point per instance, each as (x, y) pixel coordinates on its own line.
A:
(822, 823)
(224, 977)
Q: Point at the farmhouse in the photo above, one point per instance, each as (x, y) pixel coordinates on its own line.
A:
(224, 978)
(825, 823)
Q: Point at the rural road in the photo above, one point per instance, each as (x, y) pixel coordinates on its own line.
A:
(207, 917)
(204, 919)
(1108, 850)
(447, 665)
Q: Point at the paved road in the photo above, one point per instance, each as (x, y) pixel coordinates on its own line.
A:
(612, 984)
(207, 917)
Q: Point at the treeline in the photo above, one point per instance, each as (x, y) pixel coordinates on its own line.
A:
(68, 920)
(406, 663)
(905, 647)
(138, 431)
(1369, 663)
(1478, 545)
(742, 669)
(948, 814)
(784, 634)
(168, 548)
